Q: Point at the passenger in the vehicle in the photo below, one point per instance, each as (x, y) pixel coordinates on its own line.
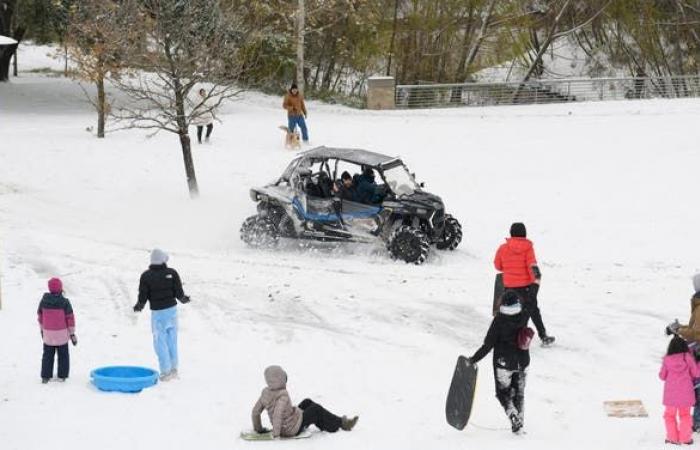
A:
(367, 189)
(345, 188)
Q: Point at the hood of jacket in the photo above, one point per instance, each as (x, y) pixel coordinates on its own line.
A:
(276, 378)
(676, 363)
(518, 245)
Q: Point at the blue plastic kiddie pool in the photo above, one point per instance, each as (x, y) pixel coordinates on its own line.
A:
(123, 378)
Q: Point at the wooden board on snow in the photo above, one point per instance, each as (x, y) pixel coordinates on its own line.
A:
(625, 408)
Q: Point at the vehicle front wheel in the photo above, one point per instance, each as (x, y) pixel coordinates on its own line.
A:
(451, 235)
(259, 232)
(409, 244)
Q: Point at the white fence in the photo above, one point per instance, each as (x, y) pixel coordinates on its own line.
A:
(545, 91)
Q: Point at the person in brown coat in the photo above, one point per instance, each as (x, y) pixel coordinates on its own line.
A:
(289, 420)
(296, 112)
(691, 333)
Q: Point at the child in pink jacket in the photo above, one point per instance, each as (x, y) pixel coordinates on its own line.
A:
(678, 371)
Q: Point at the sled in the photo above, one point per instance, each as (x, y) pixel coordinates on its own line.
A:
(625, 408)
(255, 436)
(498, 290)
(460, 398)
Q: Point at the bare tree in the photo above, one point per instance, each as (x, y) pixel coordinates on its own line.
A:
(184, 45)
(301, 30)
(92, 41)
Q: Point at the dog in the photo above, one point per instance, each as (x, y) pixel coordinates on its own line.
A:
(292, 140)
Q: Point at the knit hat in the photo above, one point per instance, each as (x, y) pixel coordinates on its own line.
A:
(158, 257)
(55, 286)
(518, 230)
(294, 86)
(696, 282)
(510, 303)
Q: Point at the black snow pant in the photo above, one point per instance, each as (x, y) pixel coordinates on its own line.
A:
(528, 295)
(199, 131)
(510, 390)
(315, 414)
(48, 358)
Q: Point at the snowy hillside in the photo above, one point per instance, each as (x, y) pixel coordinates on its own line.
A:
(608, 191)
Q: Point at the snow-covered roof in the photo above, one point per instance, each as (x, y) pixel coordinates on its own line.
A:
(353, 155)
(4, 40)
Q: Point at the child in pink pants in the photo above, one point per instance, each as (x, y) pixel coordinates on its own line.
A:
(678, 371)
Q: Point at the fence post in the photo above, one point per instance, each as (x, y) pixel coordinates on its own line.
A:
(381, 93)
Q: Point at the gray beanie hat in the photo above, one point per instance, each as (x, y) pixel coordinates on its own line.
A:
(158, 257)
(696, 282)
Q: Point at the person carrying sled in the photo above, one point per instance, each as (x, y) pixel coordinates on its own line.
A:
(296, 112)
(691, 333)
(289, 420)
(509, 338)
(516, 260)
(161, 287)
(57, 326)
(678, 371)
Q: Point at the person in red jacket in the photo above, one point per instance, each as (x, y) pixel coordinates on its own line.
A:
(516, 260)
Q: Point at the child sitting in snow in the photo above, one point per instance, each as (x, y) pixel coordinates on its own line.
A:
(289, 420)
(678, 371)
(57, 325)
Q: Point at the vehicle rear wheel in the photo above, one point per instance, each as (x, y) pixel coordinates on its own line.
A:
(409, 244)
(259, 232)
(451, 235)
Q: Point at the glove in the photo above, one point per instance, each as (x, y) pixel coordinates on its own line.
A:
(185, 299)
(673, 327)
(74, 339)
(138, 307)
(470, 362)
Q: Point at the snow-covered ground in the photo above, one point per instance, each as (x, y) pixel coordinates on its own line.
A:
(609, 193)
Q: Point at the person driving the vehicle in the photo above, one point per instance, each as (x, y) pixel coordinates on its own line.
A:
(367, 189)
(345, 188)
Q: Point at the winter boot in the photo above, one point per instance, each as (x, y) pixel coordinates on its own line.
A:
(547, 341)
(515, 423)
(671, 442)
(348, 424)
(166, 376)
(45, 380)
(173, 373)
(62, 380)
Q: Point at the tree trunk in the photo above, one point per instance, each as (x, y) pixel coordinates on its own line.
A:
(393, 37)
(101, 106)
(189, 164)
(301, 16)
(185, 140)
(6, 52)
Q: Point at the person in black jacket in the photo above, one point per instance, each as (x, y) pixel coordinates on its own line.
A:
(510, 361)
(161, 287)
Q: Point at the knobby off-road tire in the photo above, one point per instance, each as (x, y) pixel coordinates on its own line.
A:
(451, 236)
(259, 232)
(409, 244)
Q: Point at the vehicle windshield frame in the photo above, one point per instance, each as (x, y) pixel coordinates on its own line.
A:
(398, 165)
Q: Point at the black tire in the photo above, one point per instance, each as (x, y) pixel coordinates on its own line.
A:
(451, 235)
(409, 244)
(259, 232)
(282, 221)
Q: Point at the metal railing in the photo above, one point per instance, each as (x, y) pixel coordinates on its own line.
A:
(545, 91)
